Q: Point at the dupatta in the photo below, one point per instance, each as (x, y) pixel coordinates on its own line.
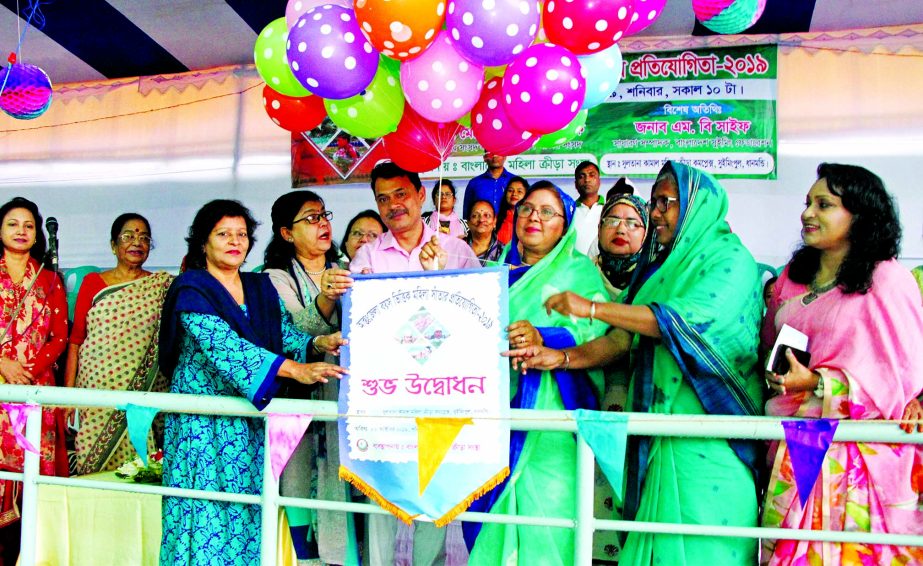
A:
(706, 296)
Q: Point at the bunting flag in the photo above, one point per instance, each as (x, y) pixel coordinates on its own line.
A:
(18, 413)
(607, 435)
(285, 432)
(139, 425)
(434, 438)
(808, 442)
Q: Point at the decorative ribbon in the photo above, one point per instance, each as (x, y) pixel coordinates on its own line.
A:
(139, 425)
(607, 435)
(808, 442)
(18, 413)
(435, 437)
(285, 432)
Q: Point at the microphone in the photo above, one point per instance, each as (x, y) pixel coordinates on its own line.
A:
(51, 225)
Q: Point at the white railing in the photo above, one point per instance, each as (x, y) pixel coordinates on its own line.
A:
(583, 523)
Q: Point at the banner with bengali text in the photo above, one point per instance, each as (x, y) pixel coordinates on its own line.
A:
(425, 347)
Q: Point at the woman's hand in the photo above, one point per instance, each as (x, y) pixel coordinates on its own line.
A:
(799, 378)
(313, 373)
(912, 412)
(14, 372)
(568, 304)
(522, 335)
(329, 343)
(535, 357)
(335, 282)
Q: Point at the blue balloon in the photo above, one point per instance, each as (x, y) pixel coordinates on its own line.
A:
(603, 71)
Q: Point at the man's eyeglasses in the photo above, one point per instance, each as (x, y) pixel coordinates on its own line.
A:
(315, 218)
(131, 237)
(615, 221)
(661, 203)
(545, 213)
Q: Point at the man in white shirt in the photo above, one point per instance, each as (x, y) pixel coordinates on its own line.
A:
(589, 205)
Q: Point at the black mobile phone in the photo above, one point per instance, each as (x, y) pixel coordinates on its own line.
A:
(780, 363)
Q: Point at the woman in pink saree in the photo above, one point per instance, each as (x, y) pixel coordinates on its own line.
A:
(861, 311)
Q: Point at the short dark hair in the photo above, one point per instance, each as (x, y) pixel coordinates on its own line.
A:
(121, 220)
(204, 222)
(447, 183)
(279, 251)
(369, 213)
(38, 248)
(874, 236)
(584, 164)
(390, 170)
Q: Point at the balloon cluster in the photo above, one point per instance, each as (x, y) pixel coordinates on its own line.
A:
(520, 72)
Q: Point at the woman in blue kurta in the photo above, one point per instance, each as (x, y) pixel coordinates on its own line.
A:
(224, 333)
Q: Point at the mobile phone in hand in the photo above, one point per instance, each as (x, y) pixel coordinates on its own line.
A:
(780, 363)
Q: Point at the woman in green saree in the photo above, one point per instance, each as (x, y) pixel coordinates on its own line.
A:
(690, 320)
(543, 262)
(113, 343)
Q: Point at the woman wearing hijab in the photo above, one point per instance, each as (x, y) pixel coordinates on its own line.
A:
(544, 262)
(690, 320)
(622, 227)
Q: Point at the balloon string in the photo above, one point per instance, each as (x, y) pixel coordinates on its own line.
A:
(22, 36)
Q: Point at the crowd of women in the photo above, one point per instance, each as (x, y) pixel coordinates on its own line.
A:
(668, 316)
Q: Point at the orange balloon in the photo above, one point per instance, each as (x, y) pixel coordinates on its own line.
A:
(401, 29)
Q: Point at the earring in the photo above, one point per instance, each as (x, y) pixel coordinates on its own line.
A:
(291, 240)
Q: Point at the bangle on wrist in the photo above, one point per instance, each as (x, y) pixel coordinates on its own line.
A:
(566, 360)
(592, 310)
(314, 347)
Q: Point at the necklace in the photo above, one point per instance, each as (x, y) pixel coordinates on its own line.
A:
(815, 291)
(315, 273)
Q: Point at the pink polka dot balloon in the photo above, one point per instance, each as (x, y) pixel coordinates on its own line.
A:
(492, 32)
(441, 85)
(543, 88)
(329, 55)
(295, 8)
(492, 127)
(586, 26)
(646, 12)
(401, 29)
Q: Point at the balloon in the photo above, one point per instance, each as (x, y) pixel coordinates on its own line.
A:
(575, 129)
(543, 88)
(272, 61)
(295, 8)
(646, 13)
(401, 29)
(27, 94)
(586, 26)
(440, 84)
(294, 114)
(328, 54)
(492, 127)
(492, 32)
(603, 71)
(728, 16)
(375, 111)
(419, 144)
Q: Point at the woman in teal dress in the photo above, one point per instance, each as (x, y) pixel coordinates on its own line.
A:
(224, 333)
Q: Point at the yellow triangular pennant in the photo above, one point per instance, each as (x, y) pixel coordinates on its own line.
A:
(434, 439)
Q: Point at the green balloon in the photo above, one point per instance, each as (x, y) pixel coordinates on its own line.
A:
(375, 111)
(465, 120)
(272, 62)
(572, 130)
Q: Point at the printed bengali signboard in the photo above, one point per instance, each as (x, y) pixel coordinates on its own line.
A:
(713, 108)
(426, 402)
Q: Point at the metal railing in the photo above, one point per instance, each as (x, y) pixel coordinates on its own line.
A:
(583, 522)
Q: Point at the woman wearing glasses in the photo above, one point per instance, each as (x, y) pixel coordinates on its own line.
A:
(224, 333)
(690, 321)
(298, 255)
(363, 228)
(443, 196)
(116, 307)
(542, 477)
(622, 227)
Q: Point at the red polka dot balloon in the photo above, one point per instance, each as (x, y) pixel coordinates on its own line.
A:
(294, 114)
(543, 88)
(586, 26)
(492, 127)
(401, 29)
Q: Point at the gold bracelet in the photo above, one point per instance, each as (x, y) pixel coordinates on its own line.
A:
(592, 310)
(566, 360)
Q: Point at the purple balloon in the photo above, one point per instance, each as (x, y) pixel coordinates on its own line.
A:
(492, 32)
(328, 53)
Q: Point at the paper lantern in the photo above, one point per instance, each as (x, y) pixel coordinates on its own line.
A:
(27, 93)
(728, 16)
